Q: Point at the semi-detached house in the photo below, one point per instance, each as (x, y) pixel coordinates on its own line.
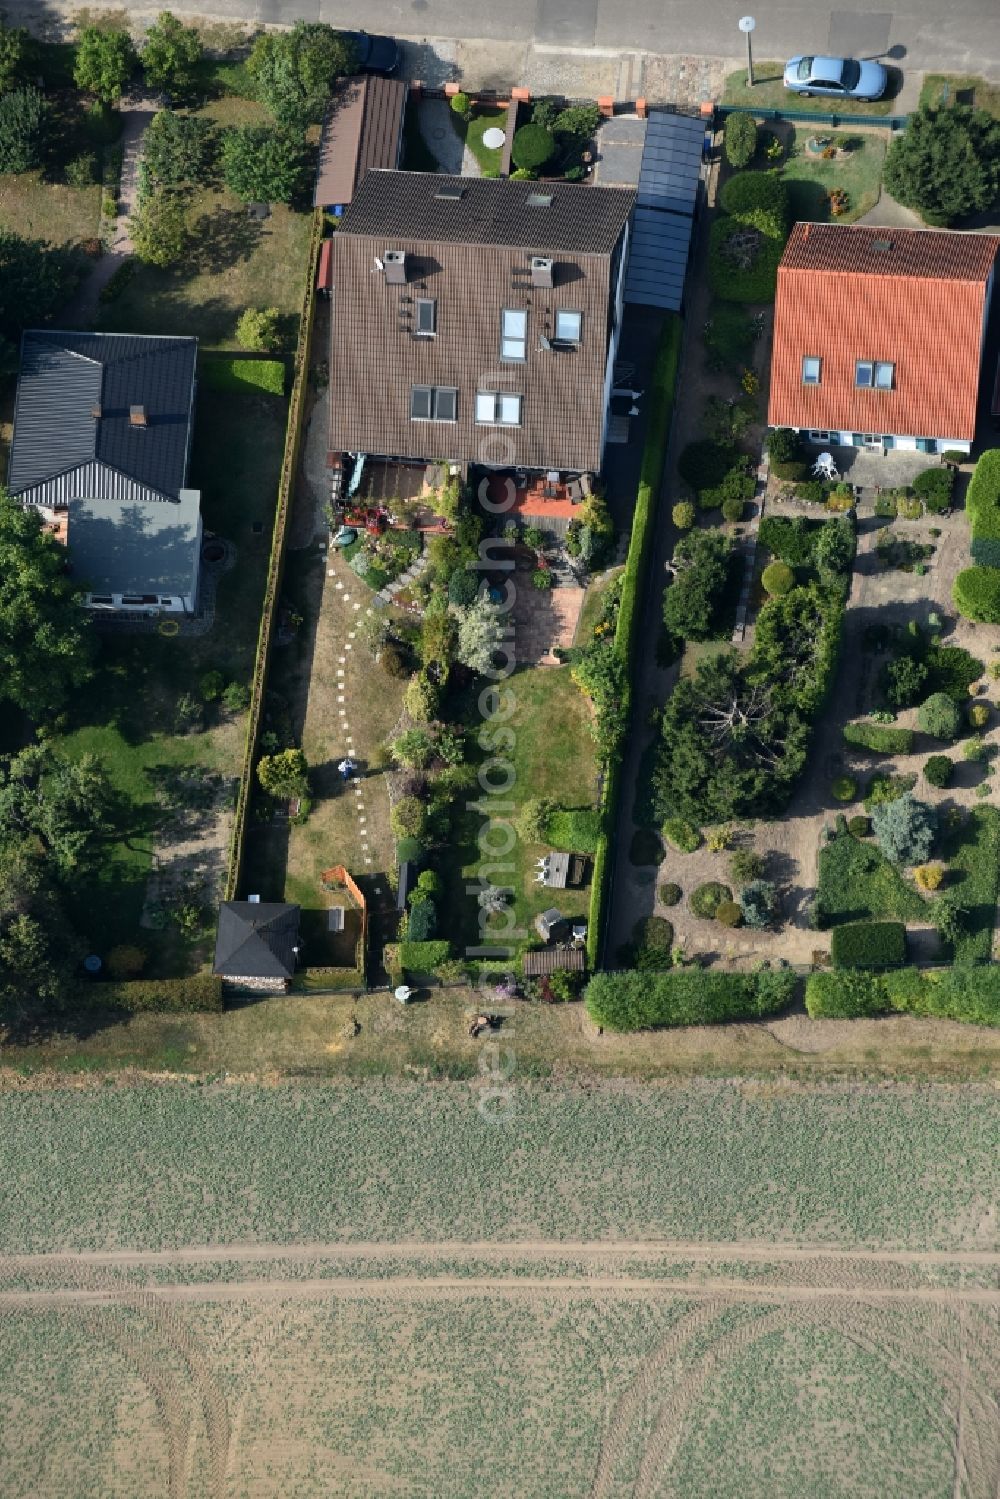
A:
(878, 335)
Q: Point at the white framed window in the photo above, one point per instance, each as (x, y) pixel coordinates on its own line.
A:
(816, 436)
(433, 403)
(569, 325)
(426, 317)
(811, 370)
(513, 333)
(864, 374)
(496, 408)
(885, 376)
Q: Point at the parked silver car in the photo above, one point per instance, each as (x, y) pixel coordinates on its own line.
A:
(836, 77)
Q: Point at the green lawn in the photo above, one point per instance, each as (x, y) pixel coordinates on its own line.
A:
(960, 88)
(472, 131)
(809, 178)
(126, 715)
(856, 881)
(769, 92)
(973, 854)
(233, 263)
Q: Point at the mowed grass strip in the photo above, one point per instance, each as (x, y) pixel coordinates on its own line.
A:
(769, 92)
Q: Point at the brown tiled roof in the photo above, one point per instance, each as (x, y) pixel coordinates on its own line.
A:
(376, 357)
(361, 133)
(913, 298)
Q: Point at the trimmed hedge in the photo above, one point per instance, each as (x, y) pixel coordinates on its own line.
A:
(202, 991)
(869, 944)
(423, 957)
(971, 995)
(982, 503)
(242, 374)
(880, 738)
(575, 830)
(976, 592)
(757, 199)
(739, 140)
(685, 996)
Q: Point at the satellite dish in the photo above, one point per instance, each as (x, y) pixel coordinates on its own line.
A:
(379, 264)
(543, 342)
(747, 23)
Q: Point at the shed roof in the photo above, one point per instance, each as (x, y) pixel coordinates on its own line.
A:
(912, 298)
(361, 132)
(74, 396)
(256, 939)
(546, 960)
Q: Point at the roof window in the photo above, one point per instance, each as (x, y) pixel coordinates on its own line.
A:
(811, 370)
(433, 403)
(513, 333)
(426, 317)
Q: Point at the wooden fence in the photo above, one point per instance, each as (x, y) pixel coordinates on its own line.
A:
(275, 569)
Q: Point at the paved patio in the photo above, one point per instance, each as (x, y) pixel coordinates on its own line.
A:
(543, 621)
(873, 469)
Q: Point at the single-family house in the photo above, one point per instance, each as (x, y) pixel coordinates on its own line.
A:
(878, 335)
(476, 320)
(362, 131)
(101, 446)
(257, 944)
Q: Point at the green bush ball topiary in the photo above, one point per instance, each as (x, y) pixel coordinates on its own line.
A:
(461, 104)
(759, 199)
(706, 899)
(860, 826)
(729, 913)
(670, 894)
(777, 578)
(938, 771)
(732, 509)
(532, 146)
(844, 789)
(938, 716)
(683, 515)
(740, 140)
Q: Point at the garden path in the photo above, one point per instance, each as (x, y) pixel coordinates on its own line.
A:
(443, 141)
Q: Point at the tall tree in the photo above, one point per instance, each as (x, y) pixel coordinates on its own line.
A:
(179, 148)
(171, 55)
(13, 42)
(104, 63)
(67, 805)
(159, 229)
(262, 165)
(22, 127)
(39, 950)
(294, 71)
(33, 282)
(45, 641)
(946, 163)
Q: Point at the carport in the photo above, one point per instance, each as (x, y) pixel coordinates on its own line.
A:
(668, 190)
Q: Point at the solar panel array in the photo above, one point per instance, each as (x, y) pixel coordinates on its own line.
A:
(663, 220)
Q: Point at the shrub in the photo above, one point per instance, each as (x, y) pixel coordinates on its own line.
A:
(391, 661)
(692, 601)
(758, 900)
(532, 820)
(777, 578)
(928, 876)
(200, 991)
(261, 164)
(706, 899)
(532, 146)
(159, 229)
(462, 105)
(975, 748)
(868, 944)
(934, 486)
(844, 788)
(758, 199)
(652, 939)
(739, 140)
(792, 539)
(729, 913)
(236, 697)
(670, 894)
(409, 851)
(952, 670)
(685, 996)
(422, 698)
(408, 817)
(104, 60)
(575, 829)
(979, 715)
(976, 594)
(938, 770)
(945, 164)
(682, 835)
(982, 504)
(905, 829)
(683, 515)
(879, 739)
(738, 271)
(705, 463)
(843, 995)
(210, 686)
(259, 329)
(746, 865)
(938, 716)
(418, 958)
(860, 826)
(422, 923)
(82, 171)
(784, 445)
(733, 508)
(284, 775)
(904, 680)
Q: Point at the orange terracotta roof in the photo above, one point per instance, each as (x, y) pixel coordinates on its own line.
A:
(914, 298)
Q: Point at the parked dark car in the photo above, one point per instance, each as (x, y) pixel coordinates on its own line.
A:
(375, 54)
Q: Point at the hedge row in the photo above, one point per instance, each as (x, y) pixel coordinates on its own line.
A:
(869, 944)
(982, 503)
(971, 995)
(976, 593)
(685, 996)
(636, 566)
(883, 739)
(423, 957)
(202, 991)
(241, 374)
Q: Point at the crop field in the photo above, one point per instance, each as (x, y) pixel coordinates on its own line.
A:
(707, 1289)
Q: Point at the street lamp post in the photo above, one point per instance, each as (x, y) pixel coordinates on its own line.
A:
(747, 24)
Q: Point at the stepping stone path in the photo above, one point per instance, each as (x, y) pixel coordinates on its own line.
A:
(412, 573)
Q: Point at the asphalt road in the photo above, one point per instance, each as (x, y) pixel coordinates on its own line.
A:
(963, 35)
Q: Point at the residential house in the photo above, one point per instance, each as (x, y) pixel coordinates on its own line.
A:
(101, 445)
(257, 944)
(878, 335)
(476, 320)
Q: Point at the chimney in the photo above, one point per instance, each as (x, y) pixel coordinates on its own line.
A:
(137, 416)
(95, 412)
(541, 271)
(395, 267)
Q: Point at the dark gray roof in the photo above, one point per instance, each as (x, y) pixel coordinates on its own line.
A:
(669, 181)
(491, 211)
(64, 379)
(256, 939)
(136, 547)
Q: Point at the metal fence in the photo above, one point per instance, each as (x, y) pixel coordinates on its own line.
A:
(814, 116)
